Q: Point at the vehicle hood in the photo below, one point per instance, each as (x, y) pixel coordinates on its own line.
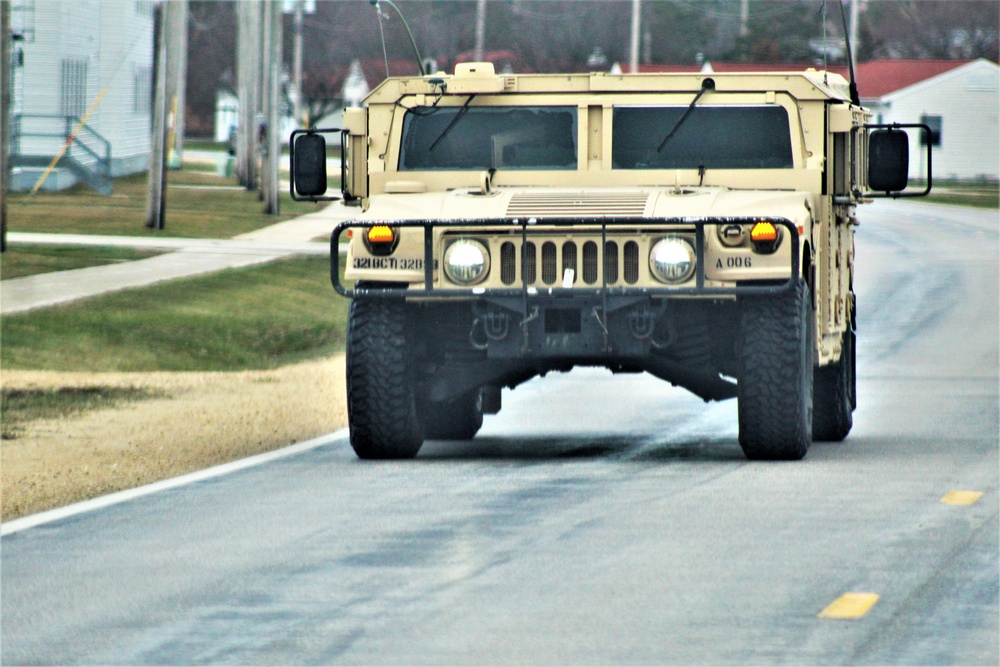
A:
(713, 202)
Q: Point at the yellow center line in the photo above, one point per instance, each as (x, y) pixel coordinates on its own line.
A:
(961, 497)
(850, 605)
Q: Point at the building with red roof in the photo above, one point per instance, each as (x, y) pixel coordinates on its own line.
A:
(878, 78)
(958, 100)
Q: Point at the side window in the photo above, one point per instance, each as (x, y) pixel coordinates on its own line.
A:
(142, 90)
(749, 137)
(933, 122)
(73, 79)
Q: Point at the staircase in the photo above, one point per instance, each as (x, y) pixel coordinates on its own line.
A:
(36, 139)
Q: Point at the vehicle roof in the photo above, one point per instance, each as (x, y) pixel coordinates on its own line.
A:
(805, 85)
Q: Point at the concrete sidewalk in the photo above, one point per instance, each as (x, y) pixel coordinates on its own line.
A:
(306, 235)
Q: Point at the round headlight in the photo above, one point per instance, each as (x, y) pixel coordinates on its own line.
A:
(672, 260)
(466, 262)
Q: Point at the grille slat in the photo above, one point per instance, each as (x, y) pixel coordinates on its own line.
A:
(611, 262)
(530, 263)
(631, 262)
(569, 259)
(508, 263)
(549, 263)
(590, 262)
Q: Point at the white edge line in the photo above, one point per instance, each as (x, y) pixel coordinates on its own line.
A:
(85, 506)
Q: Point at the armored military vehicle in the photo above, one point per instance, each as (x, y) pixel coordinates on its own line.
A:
(698, 227)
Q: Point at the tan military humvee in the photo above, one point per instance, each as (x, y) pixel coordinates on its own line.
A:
(696, 227)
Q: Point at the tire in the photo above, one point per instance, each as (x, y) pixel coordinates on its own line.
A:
(459, 419)
(774, 390)
(381, 407)
(834, 395)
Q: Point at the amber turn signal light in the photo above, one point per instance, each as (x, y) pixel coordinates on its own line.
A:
(764, 232)
(380, 234)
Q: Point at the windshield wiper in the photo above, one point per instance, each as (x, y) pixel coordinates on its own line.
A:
(707, 84)
(454, 121)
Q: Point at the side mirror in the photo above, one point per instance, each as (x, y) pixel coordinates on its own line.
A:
(309, 165)
(889, 161)
(308, 156)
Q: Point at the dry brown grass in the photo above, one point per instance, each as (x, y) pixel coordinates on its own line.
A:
(203, 419)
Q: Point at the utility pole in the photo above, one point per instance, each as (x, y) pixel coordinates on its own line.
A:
(265, 78)
(480, 30)
(156, 204)
(297, 67)
(744, 18)
(242, 65)
(272, 105)
(177, 34)
(633, 66)
(5, 102)
(248, 87)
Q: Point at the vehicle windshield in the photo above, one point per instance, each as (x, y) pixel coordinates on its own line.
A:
(712, 137)
(503, 138)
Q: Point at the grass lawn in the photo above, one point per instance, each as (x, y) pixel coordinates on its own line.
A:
(217, 209)
(253, 318)
(27, 259)
(205, 145)
(978, 195)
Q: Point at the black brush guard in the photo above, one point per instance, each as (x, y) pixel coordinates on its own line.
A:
(528, 292)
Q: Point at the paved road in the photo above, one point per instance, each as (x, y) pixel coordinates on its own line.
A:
(595, 520)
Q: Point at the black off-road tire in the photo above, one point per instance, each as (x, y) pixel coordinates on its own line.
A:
(775, 385)
(381, 407)
(834, 395)
(458, 419)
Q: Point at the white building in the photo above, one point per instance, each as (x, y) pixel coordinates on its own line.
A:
(960, 101)
(227, 118)
(80, 57)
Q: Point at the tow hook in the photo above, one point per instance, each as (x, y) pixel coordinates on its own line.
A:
(493, 325)
(641, 322)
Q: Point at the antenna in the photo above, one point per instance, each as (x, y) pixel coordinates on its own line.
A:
(855, 97)
(826, 46)
(413, 42)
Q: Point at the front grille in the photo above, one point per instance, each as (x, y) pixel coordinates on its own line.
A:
(582, 257)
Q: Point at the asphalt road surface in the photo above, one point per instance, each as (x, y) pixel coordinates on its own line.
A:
(596, 520)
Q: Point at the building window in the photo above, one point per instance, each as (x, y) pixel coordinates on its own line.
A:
(933, 122)
(142, 102)
(74, 88)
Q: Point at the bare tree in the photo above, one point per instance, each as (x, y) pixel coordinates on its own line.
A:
(942, 29)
